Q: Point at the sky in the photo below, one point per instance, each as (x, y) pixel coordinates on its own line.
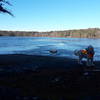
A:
(51, 15)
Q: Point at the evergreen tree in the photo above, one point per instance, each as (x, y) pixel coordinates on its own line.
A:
(3, 9)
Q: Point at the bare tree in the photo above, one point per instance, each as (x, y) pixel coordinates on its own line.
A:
(4, 10)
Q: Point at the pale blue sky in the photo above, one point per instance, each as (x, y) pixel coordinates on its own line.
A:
(48, 15)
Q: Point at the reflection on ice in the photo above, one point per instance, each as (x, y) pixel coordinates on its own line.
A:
(42, 46)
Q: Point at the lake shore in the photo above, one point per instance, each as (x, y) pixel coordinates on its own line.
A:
(47, 78)
(75, 33)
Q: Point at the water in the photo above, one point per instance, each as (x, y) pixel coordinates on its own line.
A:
(42, 45)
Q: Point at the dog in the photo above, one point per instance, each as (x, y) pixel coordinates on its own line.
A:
(87, 53)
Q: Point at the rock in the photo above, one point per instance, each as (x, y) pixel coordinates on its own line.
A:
(53, 51)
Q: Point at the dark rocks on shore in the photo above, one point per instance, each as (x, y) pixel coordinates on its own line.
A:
(53, 78)
(53, 51)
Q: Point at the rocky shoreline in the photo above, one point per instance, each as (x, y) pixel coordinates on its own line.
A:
(26, 77)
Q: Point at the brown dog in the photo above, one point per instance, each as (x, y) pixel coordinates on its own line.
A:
(87, 53)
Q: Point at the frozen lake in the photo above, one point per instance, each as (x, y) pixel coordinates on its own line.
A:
(42, 45)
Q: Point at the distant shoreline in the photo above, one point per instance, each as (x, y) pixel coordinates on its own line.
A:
(79, 33)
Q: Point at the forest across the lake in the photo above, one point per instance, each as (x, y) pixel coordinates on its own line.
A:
(77, 33)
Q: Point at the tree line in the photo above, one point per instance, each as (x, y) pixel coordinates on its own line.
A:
(81, 33)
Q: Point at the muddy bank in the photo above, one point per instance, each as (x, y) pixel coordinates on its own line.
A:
(54, 78)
